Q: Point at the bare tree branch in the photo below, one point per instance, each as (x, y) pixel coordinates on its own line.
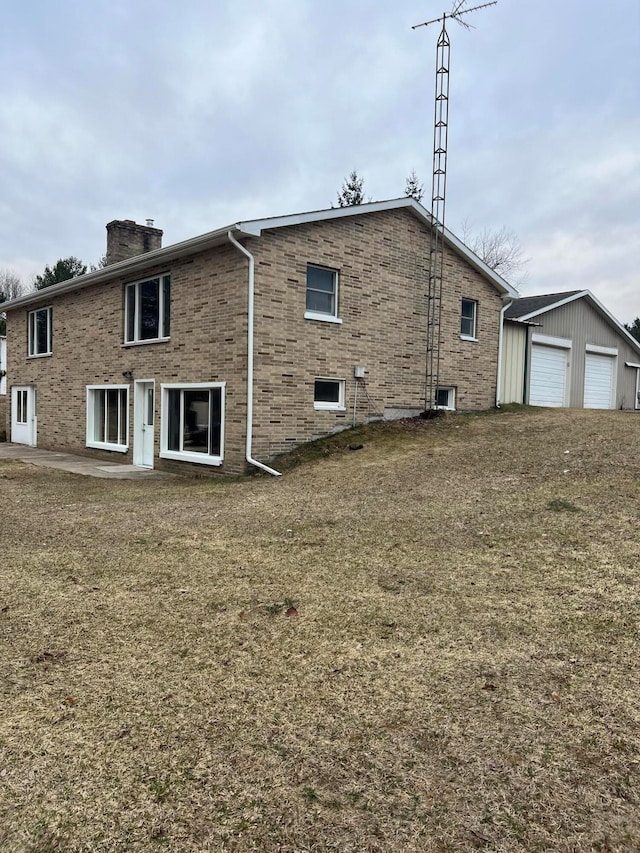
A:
(499, 249)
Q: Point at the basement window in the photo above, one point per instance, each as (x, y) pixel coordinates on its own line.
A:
(193, 423)
(446, 399)
(147, 309)
(328, 395)
(108, 417)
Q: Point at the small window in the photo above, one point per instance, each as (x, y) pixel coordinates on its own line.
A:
(40, 332)
(328, 394)
(446, 399)
(108, 417)
(468, 319)
(322, 294)
(147, 310)
(193, 422)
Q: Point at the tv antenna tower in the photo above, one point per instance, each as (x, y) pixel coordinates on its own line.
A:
(438, 194)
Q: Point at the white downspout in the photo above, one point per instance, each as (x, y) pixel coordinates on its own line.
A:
(249, 457)
(499, 373)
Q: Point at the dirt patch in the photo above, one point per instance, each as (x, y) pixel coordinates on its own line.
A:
(461, 670)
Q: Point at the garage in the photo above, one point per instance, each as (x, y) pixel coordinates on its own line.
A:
(600, 378)
(549, 370)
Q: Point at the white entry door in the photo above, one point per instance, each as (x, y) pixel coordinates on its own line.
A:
(23, 415)
(144, 418)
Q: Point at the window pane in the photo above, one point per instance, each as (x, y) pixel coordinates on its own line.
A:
(215, 421)
(166, 313)
(98, 415)
(122, 415)
(321, 290)
(113, 431)
(173, 413)
(150, 412)
(196, 421)
(42, 337)
(468, 318)
(131, 312)
(149, 309)
(442, 397)
(326, 391)
(319, 279)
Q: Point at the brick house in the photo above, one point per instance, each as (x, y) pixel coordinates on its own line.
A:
(244, 342)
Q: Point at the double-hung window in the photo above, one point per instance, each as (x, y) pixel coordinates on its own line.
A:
(40, 337)
(468, 319)
(322, 294)
(108, 417)
(147, 310)
(193, 422)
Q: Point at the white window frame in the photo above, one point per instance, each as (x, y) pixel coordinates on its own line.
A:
(137, 340)
(324, 316)
(474, 336)
(451, 398)
(184, 455)
(33, 337)
(324, 406)
(123, 419)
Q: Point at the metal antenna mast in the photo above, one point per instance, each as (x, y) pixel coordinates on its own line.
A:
(438, 195)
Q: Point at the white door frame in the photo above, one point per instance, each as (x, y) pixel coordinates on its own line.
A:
(24, 431)
(144, 422)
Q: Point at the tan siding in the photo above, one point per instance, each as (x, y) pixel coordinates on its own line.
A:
(513, 360)
(382, 261)
(581, 322)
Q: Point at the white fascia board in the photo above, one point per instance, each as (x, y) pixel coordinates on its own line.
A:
(632, 364)
(255, 227)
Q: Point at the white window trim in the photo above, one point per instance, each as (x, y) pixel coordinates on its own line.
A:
(140, 341)
(31, 337)
(472, 337)
(602, 350)
(637, 367)
(340, 406)
(103, 445)
(321, 315)
(324, 318)
(183, 455)
(550, 341)
(451, 407)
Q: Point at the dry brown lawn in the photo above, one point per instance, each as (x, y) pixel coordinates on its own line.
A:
(463, 672)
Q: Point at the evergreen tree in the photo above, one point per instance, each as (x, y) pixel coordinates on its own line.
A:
(63, 270)
(352, 191)
(413, 188)
(634, 328)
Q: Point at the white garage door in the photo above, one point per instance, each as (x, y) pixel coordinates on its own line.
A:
(548, 376)
(599, 376)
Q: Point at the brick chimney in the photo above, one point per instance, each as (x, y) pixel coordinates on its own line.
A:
(126, 239)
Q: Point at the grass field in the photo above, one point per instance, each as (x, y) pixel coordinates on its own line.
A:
(462, 673)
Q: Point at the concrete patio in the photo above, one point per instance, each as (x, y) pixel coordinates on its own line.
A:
(77, 464)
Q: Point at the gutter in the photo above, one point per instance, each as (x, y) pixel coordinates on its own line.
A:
(499, 372)
(249, 457)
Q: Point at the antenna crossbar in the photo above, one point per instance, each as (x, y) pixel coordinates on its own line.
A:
(455, 14)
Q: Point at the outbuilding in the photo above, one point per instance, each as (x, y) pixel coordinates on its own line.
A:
(567, 349)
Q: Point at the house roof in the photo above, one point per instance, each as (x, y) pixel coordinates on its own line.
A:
(254, 228)
(522, 309)
(529, 307)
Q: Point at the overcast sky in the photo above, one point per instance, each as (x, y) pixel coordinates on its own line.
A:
(201, 113)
